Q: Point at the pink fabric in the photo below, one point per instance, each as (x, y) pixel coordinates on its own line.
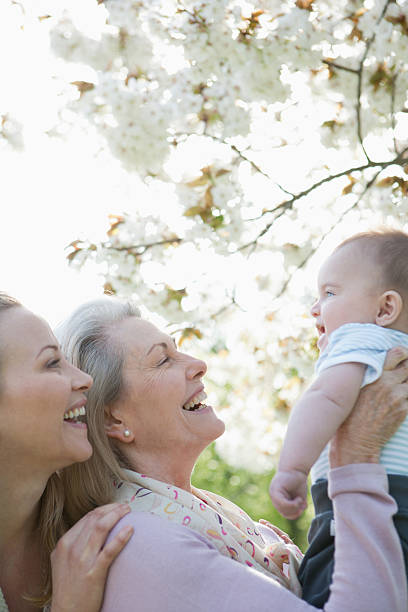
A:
(168, 568)
(229, 529)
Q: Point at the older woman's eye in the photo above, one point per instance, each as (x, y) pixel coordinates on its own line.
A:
(55, 363)
(163, 361)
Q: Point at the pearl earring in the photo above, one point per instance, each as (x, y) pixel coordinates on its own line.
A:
(126, 433)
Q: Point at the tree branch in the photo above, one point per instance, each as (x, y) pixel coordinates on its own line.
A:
(288, 204)
(145, 247)
(256, 167)
(392, 110)
(251, 162)
(339, 219)
(339, 66)
(360, 78)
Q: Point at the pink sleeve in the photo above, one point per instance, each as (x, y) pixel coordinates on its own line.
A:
(170, 568)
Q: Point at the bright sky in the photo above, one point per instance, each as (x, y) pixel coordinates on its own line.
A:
(55, 191)
(51, 195)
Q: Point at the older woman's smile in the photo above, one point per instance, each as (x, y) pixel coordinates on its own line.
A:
(159, 381)
(196, 401)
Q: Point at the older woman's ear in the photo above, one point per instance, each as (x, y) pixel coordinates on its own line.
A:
(115, 428)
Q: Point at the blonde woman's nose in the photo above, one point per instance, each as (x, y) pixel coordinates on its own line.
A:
(81, 380)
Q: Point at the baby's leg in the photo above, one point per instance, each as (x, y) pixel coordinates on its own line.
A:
(399, 491)
(316, 571)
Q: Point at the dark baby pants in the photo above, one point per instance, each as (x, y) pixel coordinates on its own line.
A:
(316, 570)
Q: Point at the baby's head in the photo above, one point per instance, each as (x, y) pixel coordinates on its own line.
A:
(365, 280)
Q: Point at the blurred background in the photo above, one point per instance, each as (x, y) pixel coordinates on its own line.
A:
(202, 157)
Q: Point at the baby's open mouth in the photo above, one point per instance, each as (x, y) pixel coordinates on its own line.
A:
(196, 402)
(76, 415)
(321, 329)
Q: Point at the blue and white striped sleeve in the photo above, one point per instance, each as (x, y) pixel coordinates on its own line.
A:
(364, 343)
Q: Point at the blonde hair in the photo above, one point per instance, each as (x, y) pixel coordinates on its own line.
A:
(388, 249)
(51, 525)
(87, 341)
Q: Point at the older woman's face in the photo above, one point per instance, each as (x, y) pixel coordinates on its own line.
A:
(159, 384)
(37, 387)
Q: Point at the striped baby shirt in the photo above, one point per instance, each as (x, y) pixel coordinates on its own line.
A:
(366, 343)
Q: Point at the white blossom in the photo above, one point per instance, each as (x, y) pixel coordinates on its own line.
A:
(227, 124)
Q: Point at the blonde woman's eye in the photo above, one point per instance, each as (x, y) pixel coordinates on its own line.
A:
(163, 361)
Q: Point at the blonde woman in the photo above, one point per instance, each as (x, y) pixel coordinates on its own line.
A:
(39, 390)
(193, 550)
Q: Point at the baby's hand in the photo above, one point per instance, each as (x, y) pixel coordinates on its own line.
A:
(288, 492)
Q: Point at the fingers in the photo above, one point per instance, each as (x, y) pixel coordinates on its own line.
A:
(92, 516)
(113, 548)
(399, 404)
(90, 531)
(295, 509)
(396, 357)
(284, 536)
(100, 522)
(290, 508)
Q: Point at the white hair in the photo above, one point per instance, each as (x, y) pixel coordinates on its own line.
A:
(87, 340)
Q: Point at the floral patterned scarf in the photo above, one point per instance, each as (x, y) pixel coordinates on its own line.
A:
(224, 524)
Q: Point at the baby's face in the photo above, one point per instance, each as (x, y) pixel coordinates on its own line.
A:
(348, 292)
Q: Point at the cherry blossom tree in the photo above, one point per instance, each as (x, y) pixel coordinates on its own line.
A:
(259, 134)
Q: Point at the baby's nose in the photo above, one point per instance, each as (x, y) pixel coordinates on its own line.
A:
(314, 311)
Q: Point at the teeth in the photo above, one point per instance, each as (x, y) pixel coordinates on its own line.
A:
(73, 414)
(197, 399)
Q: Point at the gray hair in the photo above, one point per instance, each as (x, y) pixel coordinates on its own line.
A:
(88, 342)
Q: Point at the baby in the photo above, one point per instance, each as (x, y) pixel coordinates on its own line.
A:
(361, 312)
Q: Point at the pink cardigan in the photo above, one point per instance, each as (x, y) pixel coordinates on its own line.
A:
(171, 568)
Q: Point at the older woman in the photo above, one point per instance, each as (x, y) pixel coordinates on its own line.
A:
(148, 424)
(38, 390)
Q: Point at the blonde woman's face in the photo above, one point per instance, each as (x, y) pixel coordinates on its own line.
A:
(159, 381)
(37, 387)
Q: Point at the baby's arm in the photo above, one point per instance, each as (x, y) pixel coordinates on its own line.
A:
(313, 422)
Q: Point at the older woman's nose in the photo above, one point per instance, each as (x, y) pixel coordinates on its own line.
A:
(196, 368)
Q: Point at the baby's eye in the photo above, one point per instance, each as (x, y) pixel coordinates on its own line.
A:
(329, 293)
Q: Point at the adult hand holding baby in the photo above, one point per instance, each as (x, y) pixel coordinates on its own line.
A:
(380, 409)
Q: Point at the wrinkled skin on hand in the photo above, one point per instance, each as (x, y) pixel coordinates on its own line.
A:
(379, 411)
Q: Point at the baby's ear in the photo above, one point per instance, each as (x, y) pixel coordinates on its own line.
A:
(390, 307)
